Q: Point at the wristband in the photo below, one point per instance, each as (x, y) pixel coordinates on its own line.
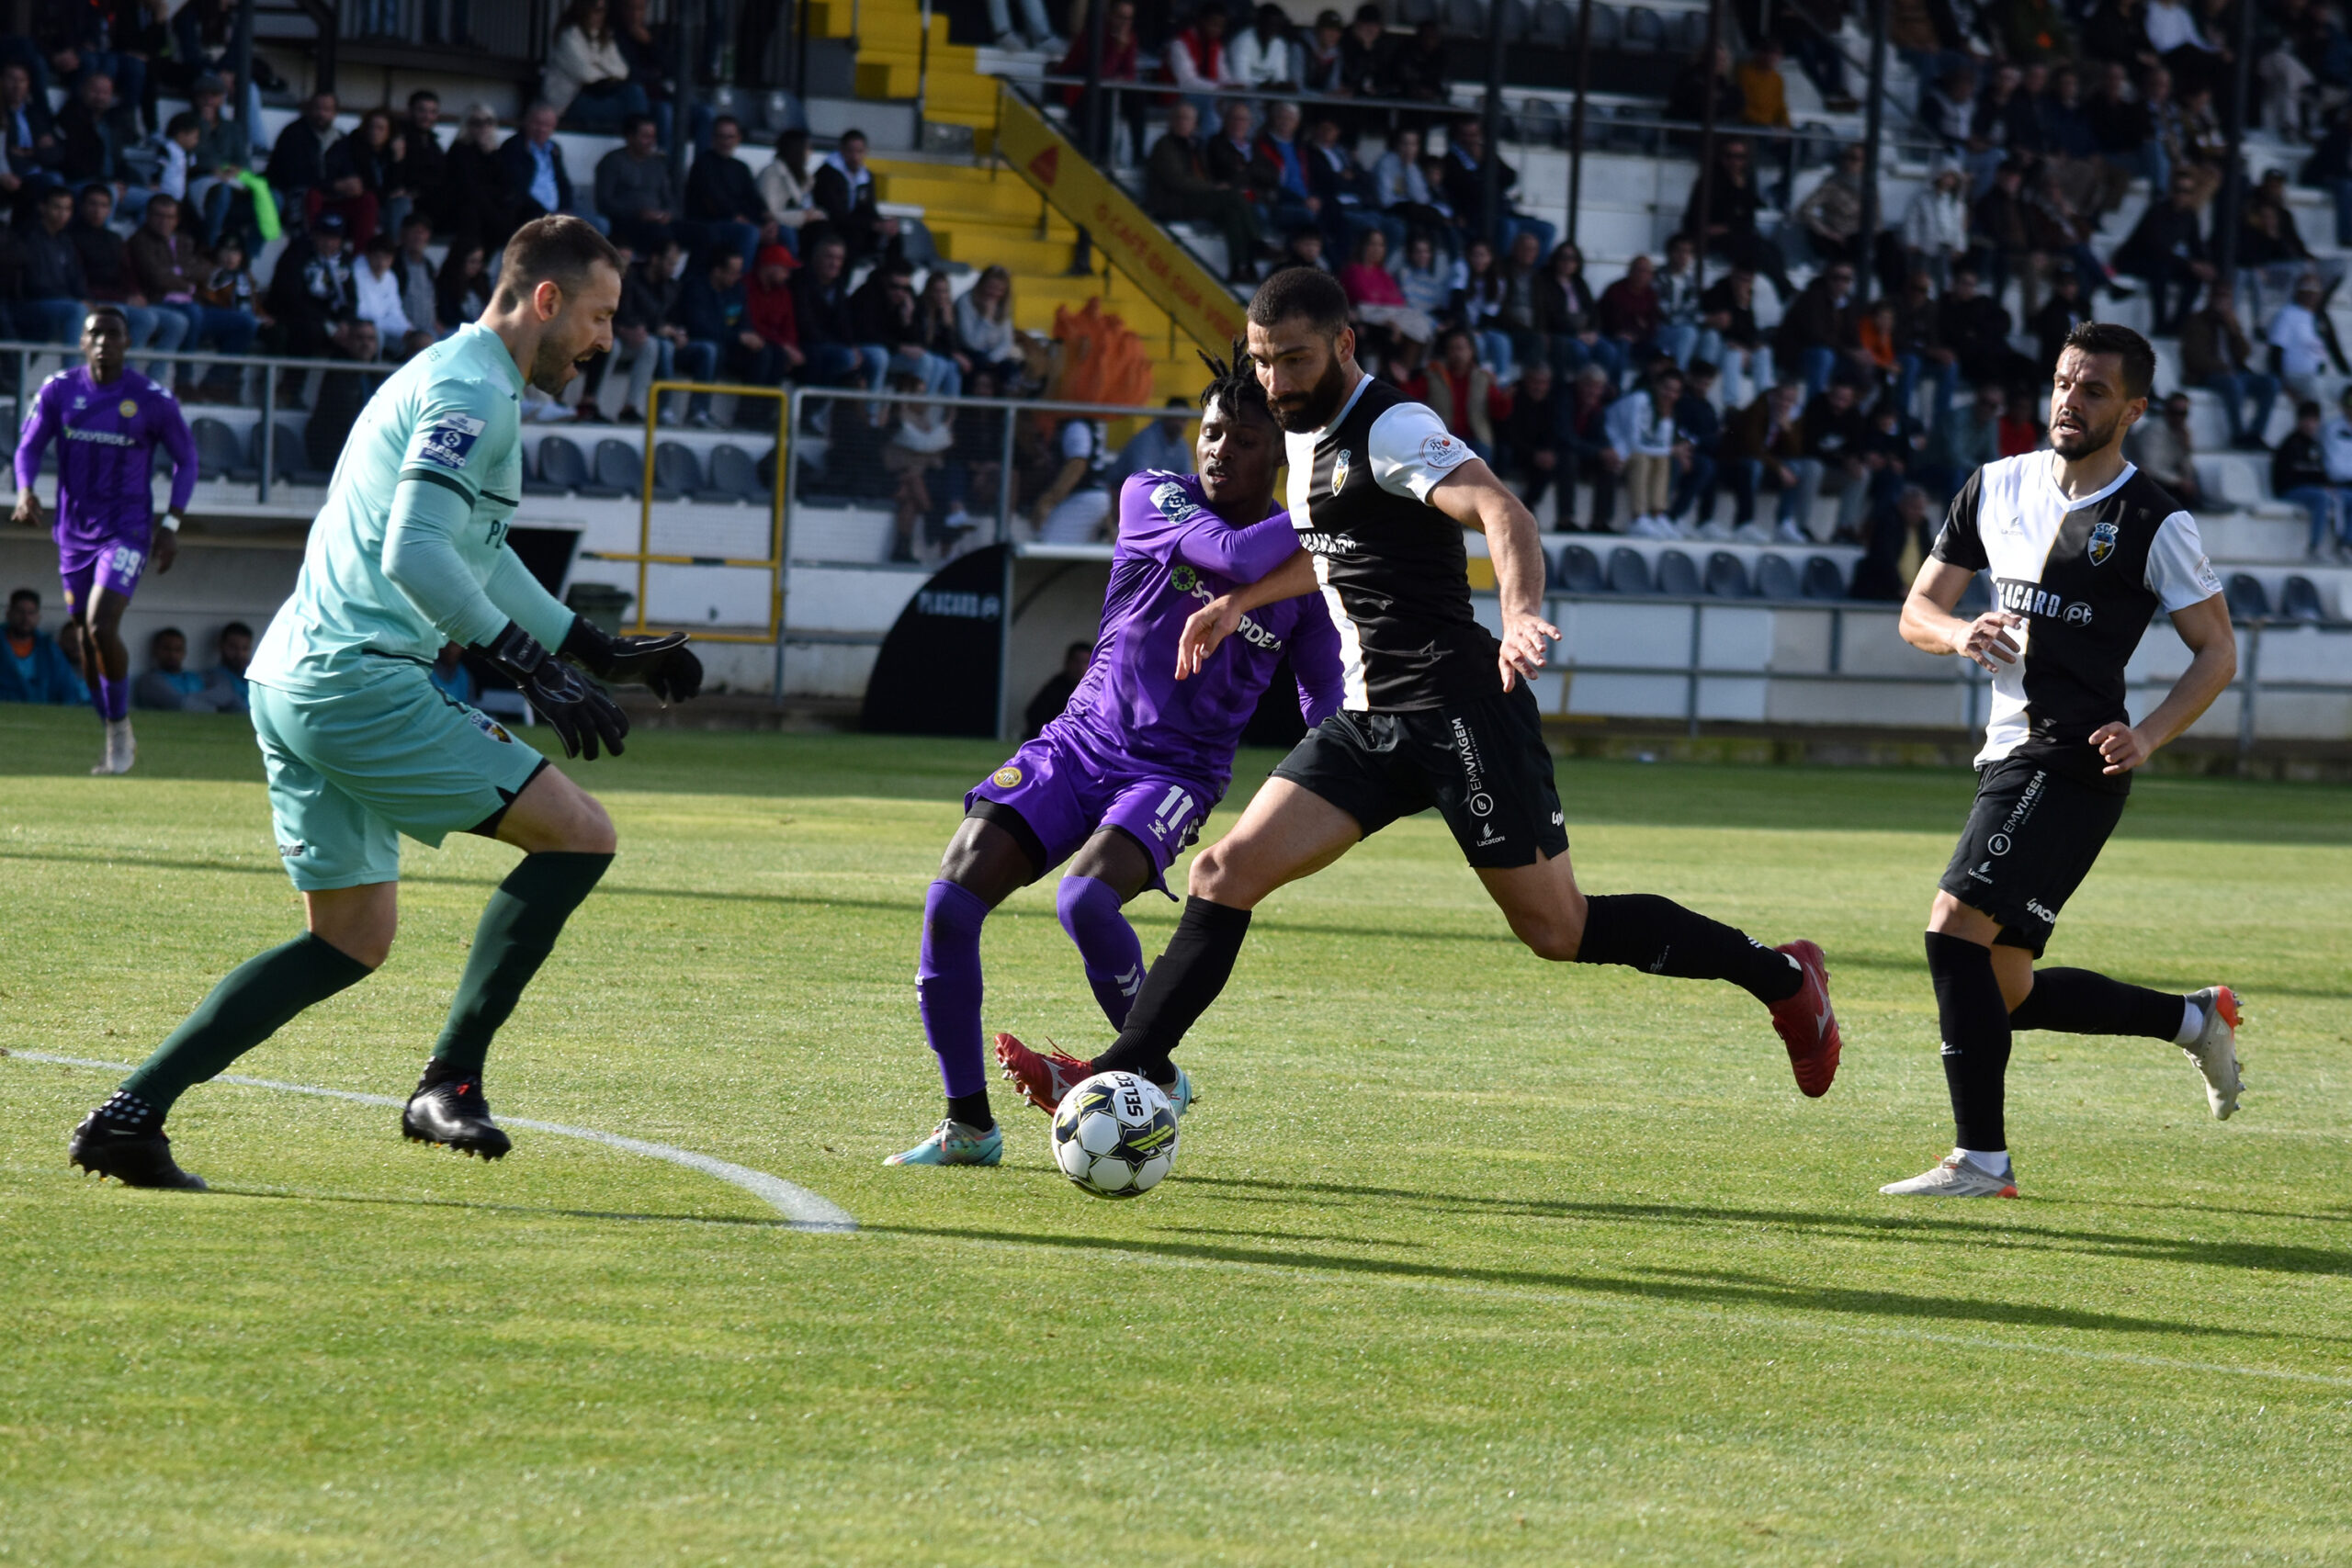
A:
(171, 523)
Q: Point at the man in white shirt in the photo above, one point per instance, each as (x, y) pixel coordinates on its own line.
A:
(2303, 351)
(2336, 442)
(1265, 56)
(376, 298)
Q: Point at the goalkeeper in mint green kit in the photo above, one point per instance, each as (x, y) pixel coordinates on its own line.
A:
(410, 553)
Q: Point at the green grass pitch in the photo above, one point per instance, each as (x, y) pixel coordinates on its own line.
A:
(1467, 1258)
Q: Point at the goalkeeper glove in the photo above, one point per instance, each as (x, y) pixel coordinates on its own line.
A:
(581, 713)
(664, 664)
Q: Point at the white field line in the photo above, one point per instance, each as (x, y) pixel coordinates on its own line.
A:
(806, 1210)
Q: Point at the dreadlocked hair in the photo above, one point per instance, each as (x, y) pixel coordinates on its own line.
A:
(1235, 384)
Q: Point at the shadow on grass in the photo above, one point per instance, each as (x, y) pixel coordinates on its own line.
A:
(1692, 1287)
(58, 743)
(1997, 1230)
(1682, 1286)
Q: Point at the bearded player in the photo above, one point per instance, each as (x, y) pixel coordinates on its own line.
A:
(1123, 779)
(2084, 550)
(408, 554)
(107, 420)
(1437, 713)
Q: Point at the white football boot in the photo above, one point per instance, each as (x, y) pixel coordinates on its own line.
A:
(122, 748)
(1956, 1176)
(2215, 1049)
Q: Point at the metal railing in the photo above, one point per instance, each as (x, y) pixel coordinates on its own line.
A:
(1693, 670)
(23, 356)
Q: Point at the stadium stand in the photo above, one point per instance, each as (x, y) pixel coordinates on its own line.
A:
(935, 100)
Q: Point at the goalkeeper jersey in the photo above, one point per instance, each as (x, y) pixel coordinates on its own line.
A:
(450, 420)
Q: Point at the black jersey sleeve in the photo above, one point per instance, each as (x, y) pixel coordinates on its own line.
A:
(1960, 544)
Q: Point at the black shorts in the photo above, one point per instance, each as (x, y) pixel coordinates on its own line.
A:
(2031, 839)
(1482, 764)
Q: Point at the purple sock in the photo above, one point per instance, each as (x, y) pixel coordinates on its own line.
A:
(947, 986)
(112, 698)
(1090, 911)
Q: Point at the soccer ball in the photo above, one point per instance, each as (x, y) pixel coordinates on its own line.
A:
(1114, 1135)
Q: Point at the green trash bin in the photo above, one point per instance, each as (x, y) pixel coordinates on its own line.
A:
(605, 606)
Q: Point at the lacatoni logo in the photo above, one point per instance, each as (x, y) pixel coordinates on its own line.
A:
(448, 440)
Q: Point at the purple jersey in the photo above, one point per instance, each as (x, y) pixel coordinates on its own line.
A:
(1173, 554)
(106, 436)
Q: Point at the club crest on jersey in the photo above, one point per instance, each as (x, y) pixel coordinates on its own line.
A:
(1340, 470)
(2102, 542)
(128, 409)
(447, 443)
(1183, 579)
(1005, 778)
(489, 725)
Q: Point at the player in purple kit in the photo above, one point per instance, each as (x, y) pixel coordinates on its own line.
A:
(107, 418)
(1124, 778)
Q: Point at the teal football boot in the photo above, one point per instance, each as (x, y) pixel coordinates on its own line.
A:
(952, 1143)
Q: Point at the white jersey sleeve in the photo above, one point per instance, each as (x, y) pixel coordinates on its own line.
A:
(1412, 451)
(2178, 573)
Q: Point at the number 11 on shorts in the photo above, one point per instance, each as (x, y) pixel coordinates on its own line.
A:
(1169, 813)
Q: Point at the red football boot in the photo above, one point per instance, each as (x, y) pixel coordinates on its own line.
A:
(1808, 1026)
(1042, 1077)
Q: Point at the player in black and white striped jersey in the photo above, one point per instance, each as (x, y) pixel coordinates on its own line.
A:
(2084, 550)
(1436, 713)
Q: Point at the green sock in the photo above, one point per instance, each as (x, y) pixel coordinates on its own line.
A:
(255, 1001)
(516, 933)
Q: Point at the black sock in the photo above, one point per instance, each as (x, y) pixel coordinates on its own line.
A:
(972, 1110)
(253, 1002)
(1644, 931)
(2082, 1001)
(439, 1070)
(1976, 1038)
(517, 931)
(1177, 988)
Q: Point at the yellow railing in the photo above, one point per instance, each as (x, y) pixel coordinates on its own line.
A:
(645, 557)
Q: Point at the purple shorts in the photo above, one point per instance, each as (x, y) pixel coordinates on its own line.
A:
(1066, 789)
(89, 565)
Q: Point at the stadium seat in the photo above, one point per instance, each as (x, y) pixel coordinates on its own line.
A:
(1540, 123)
(2301, 600)
(1413, 12)
(217, 457)
(1608, 27)
(159, 460)
(1686, 32)
(2245, 597)
(620, 466)
(1677, 575)
(1726, 576)
(1776, 579)
(677, 472)
(1555, 25)
(1823, 580)
(293, 458)
(780, 111)
(1518, 19)
(1466, 18)
(1629, 572)
(1580, 571)
(1644, 33)
(563, 469)
(733, 478)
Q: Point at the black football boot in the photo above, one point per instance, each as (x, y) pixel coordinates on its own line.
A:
(135, 1157)
(454, 1113)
